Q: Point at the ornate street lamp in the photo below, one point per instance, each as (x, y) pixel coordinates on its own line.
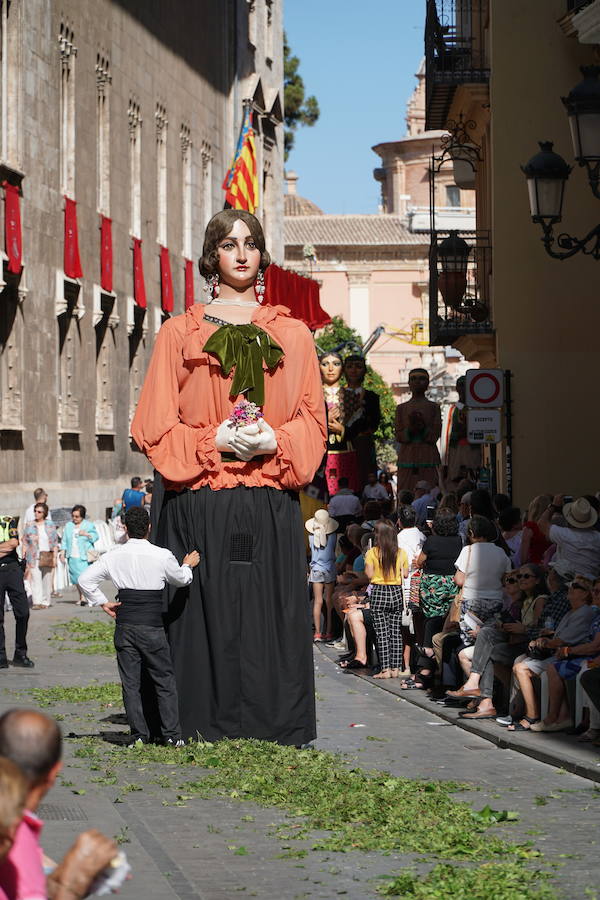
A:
(453, 253)
(583, 107)
(547, 172)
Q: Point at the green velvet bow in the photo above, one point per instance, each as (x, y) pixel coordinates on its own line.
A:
(245, 347)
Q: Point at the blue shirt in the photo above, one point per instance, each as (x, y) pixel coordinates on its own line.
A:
(131, 497)
(322, 559)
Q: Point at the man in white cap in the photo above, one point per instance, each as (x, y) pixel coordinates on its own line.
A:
(577, 542)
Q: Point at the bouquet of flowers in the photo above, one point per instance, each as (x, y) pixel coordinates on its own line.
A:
(245, 413)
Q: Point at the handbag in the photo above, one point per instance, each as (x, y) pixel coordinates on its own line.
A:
(92, 555)
(414, 595)
(453, 617)
(46, 559)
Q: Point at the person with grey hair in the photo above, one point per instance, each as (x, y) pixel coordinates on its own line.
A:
(33, 742)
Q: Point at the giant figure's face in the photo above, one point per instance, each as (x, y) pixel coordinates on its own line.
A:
(331, 369)
(355, 371)
(239, 257)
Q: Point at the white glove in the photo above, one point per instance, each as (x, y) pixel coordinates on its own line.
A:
(255, 440)
(225, 438)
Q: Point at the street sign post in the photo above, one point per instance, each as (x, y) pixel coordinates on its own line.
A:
(484, 388)
(484, 426)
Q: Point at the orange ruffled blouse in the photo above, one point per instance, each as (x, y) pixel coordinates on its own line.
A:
(185, 398)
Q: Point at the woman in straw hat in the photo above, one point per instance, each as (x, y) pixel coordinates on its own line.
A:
(240, 633)
(322, 540)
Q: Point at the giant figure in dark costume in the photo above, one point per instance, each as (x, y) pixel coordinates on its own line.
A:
(240, 634)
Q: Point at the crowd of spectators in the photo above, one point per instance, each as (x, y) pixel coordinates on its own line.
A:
(495, 611)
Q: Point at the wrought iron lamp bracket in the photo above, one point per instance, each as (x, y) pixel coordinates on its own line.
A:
(569, 246)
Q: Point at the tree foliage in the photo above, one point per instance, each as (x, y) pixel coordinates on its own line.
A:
(338, 333)
(299, 110)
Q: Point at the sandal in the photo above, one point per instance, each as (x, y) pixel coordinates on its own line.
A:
(411, 684)
(352, 664)
(516, 726)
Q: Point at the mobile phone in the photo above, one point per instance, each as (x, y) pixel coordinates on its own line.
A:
(430, 513)
(567, 499)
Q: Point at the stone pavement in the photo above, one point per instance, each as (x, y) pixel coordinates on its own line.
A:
(217, 849)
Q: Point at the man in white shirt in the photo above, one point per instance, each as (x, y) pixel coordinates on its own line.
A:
(140, 571)
(40, 496)
(345, 502)
(373, 490)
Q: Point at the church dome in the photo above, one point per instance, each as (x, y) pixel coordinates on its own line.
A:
(294, 204)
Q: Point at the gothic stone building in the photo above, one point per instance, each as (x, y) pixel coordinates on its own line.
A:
(118, 121)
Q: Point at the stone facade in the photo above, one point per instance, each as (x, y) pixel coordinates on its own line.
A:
(132, 110)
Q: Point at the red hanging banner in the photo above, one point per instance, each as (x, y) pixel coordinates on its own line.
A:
(139, 285)
(12, 228)
(72, 263)
(189, 283)
(166, 281)
(106, 254)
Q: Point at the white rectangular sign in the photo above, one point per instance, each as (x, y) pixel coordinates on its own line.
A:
(484, 426)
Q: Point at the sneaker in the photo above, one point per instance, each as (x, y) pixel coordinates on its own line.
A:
(23, 661)
(504, 720)
(177, 744)
(135, 745)
(338, 645)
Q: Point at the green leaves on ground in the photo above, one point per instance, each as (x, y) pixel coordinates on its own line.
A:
(104, 694)
(500, 881)
(359, 810)
(89, 637)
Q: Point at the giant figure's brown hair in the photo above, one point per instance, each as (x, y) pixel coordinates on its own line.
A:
(218, 228)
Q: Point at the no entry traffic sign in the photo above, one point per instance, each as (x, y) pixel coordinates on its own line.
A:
(484, 388)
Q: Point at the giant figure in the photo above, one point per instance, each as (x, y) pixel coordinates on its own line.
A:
(240, 633)
(464, 459)
(362, 416)
(418, 429)
(341, 456)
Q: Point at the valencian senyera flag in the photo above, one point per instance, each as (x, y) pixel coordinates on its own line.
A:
(241, 182)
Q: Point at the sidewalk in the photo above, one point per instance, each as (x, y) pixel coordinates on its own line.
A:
(555, 749)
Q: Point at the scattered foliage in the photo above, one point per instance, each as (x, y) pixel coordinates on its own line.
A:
(502, 881)
(89, 637)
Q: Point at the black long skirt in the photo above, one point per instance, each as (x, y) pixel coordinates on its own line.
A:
(240, 633)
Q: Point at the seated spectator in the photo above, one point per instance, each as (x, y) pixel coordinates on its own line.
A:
(359, 621)
(449, 501)
(437, 587)
(373, 490)
(533, 543)
(501, 501)
(33, 742)
(405, 498)
(372, 513)
(577, 542)
(480, 569)
(386, 481)
(502, 642)
(570, 659)
(13, 794)
(464, 514)
(511, 528)
(572, 629)
(353, 578)
(590, 682)
(345, 505)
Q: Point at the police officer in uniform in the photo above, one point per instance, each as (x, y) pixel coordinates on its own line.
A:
(11, 582)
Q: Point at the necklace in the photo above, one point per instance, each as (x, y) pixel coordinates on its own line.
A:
(217, 302)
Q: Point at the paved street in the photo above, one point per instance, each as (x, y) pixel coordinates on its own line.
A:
(217, 849)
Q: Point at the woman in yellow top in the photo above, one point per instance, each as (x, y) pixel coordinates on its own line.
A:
(386, 565)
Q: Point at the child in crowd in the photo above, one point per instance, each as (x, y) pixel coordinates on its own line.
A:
(386, 565)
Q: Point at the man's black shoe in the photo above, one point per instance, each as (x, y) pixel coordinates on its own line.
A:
(23, 661)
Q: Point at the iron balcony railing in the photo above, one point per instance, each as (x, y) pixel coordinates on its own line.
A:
(455, 53)
(459, 297)
(575, 5)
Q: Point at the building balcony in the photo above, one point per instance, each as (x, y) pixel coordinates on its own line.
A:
(455, 53)
(447, 218)
(459, 295)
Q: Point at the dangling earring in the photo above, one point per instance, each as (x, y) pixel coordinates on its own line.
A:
(259, 285)
(212, 286)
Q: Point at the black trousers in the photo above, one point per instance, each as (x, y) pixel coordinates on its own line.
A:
(590, 682)
(433, 625)
(147, 645)
(11, 582)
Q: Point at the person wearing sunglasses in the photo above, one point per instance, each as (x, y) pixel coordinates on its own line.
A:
(572, 629)
(569, 661)
(503, 641)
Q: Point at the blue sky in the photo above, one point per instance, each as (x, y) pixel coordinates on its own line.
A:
(359, 60)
